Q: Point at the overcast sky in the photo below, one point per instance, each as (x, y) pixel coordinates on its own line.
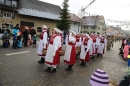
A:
(110, 9)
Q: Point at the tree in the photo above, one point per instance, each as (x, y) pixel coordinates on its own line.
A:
(64, 22)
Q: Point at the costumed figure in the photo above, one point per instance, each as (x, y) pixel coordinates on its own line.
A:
(42, 44)
(85, 48)
(101, 46)
(109, 43)
(91, 46)
(70, 53)
(94, 44)
(52, 56)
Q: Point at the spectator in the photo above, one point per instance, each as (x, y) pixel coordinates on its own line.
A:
(25, 36)
(0, 30)
(32, 31)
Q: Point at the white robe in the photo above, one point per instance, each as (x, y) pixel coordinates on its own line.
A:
(91, 47)
(51, 51)
(83, 52)
(102, 46)
(42, 44)
(69, 48)
(78, 43)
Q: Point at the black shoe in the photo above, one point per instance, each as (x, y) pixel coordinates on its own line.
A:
(101, 56)
(42, 60)
(98, 55)
(48, 69)
(54, 70)
(68, 68)
(82, 64)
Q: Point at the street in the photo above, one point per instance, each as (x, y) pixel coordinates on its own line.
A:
(19, 67)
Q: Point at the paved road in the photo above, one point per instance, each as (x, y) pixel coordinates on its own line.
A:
(23, 69)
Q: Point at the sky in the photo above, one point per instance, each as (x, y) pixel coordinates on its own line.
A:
(110, 9)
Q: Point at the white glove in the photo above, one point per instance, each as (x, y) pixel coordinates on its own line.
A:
(44, 46)
(53, 54)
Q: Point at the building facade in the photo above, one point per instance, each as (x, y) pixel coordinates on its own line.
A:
(31, 13)
(75, 23)
(93, 24)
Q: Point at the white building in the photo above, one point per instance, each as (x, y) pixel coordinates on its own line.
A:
(75, 23)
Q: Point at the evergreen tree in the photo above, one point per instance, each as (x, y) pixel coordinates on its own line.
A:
(64, 22)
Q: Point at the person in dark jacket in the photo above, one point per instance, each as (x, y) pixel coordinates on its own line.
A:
(25, 36)
(32, 31)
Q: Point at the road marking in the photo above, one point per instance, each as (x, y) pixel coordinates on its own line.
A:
(17, 53)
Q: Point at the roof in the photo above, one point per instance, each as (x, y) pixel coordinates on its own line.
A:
(74, 18)
(117, 29)
(39, 9)
(90, 20)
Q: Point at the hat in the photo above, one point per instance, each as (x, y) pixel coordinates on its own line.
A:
(44, 26)
(73, 32)
(56, 29)
(99, 78)
(60, 31)
(87, 35)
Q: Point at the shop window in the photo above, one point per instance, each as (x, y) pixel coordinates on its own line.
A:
(39, 29)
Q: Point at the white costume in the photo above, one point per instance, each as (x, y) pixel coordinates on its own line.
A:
(102, 45)
(42, 43)
(86, 44)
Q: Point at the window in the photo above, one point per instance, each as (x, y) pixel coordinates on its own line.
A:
(10, 26)
(8, 2)
(7, 15)
(14, 3)
(39, 29)
(84, 27)
(1, 1)
(98, 28)
(91, 27)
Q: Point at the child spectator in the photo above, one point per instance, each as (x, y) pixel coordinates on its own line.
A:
(19, 42)
(34, 40)
(126, 51)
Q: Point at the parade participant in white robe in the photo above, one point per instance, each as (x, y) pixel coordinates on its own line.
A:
(85, 48)
(82, 38)
(42, 44)
(60, 34)
(78, 40)
(101, 46)
(94, 43)
(52, 56)
(70, 53)
(97, 44)
(91, 47)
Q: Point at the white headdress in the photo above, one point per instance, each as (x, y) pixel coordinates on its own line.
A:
(56, 29)
(87, 35)
(44, 26)
(74, 32)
